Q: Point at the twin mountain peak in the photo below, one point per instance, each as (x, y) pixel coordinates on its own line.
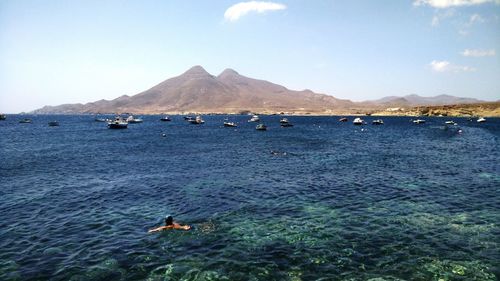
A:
(198, 91)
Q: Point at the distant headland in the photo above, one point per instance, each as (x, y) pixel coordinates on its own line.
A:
(198, 91)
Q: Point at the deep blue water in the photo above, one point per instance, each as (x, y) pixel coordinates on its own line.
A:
(397, 202)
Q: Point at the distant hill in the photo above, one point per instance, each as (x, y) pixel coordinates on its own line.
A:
(487, 109)
(198, 91)
(416, 100)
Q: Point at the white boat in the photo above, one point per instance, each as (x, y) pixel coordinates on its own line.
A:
(378, 122)
(229, 124)
(358, 121)
(165, 119)
(254, 118)
(284, 120)
(419, 121)
(481, 120)
(450, 123)
(197, 120)
(118, 123)
(132, 120)
(26, 121)
(261, 127)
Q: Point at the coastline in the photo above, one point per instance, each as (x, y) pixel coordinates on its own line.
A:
(487, 109)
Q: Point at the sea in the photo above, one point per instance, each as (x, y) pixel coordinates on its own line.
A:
(322, 200)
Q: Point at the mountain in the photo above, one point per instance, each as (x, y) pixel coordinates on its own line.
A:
(196, 90)
(416, 100)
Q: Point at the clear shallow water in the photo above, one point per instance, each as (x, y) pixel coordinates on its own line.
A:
(398, 201)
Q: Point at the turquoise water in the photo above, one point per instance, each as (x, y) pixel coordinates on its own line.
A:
(333, 202)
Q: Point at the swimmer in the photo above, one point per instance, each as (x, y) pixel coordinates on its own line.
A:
(170, 224)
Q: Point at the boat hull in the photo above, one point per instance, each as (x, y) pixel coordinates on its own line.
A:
(117, 126)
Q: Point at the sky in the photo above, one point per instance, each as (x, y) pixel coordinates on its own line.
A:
(55, 52)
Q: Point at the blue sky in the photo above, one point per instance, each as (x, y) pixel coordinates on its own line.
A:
(54, 52)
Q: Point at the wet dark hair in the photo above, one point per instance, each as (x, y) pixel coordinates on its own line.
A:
(169, 220)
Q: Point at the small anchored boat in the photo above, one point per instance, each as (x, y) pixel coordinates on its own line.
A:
(53, 124)
(2, 117)
(261, 127)
(254, 118)
(26, 121)
(481, 120)
(343, 119)
(358, 121)
(197, 120)
(419, 121)
(230, 124)
(378, 122)
(165, 119)
(131, 119)
(285, 123)
(118, 123)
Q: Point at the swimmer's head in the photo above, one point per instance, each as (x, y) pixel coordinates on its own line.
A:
(169, 220)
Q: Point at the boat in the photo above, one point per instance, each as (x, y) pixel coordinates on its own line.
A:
(101, 120)
(419, 121)
(358, 121)
(261, 127)
(285, 123)
(378, 122)
(197, 120)
(133, 120)
(450, 123)
(343, 119)
(229, 124)
(165, 119)
(481, 120)
(26, 121)
(2, 117)
(53, 124)
(188, 118)
(118, 123)
(254, 118)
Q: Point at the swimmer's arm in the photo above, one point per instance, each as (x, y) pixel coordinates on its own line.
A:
(158, 229)
(183, 227)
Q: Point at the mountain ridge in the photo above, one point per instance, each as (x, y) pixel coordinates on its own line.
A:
(196, 90)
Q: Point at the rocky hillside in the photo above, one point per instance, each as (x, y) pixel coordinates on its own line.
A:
(491, 109)
(198, 91)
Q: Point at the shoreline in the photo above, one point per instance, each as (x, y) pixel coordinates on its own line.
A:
(486, 109)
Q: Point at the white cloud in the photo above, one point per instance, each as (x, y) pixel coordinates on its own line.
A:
(478, 53)
(238, 10)
(475, 18)
(446, 66)
(452, 3)
(440, 16)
